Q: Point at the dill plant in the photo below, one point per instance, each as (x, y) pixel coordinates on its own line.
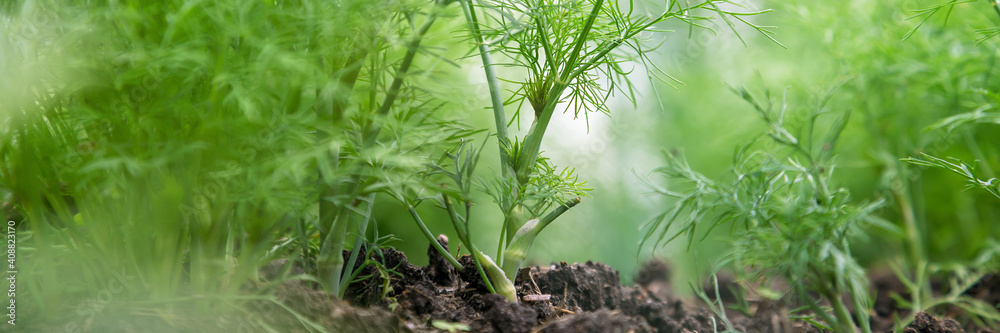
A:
(900, 96)
(898, 91)
(895, 127)
(942, 129)
(180, 145)
(563, 50)
(787, 215)
(962, 275)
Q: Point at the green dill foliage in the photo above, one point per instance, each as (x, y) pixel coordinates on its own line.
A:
(945, 10)
(717, 307)
(176, 152)
(788, 217)
(547, 188)
(987, 113)
(897, 89)
(991, 186)
(179, 145)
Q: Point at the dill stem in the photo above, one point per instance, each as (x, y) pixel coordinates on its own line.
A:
(909, 222)
(427, 233)
(499, 117)
(464, 238)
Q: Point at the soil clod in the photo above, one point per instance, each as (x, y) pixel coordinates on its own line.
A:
(438, 269)
(591, 286)
(509, 317)
(925, 323)
(597, 322)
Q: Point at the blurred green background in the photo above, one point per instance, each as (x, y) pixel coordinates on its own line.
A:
(203, 108)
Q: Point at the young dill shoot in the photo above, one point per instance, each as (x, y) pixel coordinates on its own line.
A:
(788, 218)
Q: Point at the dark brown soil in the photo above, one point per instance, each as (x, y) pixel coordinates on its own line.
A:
(596, 322)
(926, 323)
(885, 288)
(558, 298)
(562, 297)
(987, 290)
(319, 308)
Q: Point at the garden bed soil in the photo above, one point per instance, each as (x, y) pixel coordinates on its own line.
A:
(561, 297)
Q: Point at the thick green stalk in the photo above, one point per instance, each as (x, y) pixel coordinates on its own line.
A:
(917, 291)
(528, 155)
(512, 223)
(502, 285)
(499, 117)
(517, 250)
(533, 142)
